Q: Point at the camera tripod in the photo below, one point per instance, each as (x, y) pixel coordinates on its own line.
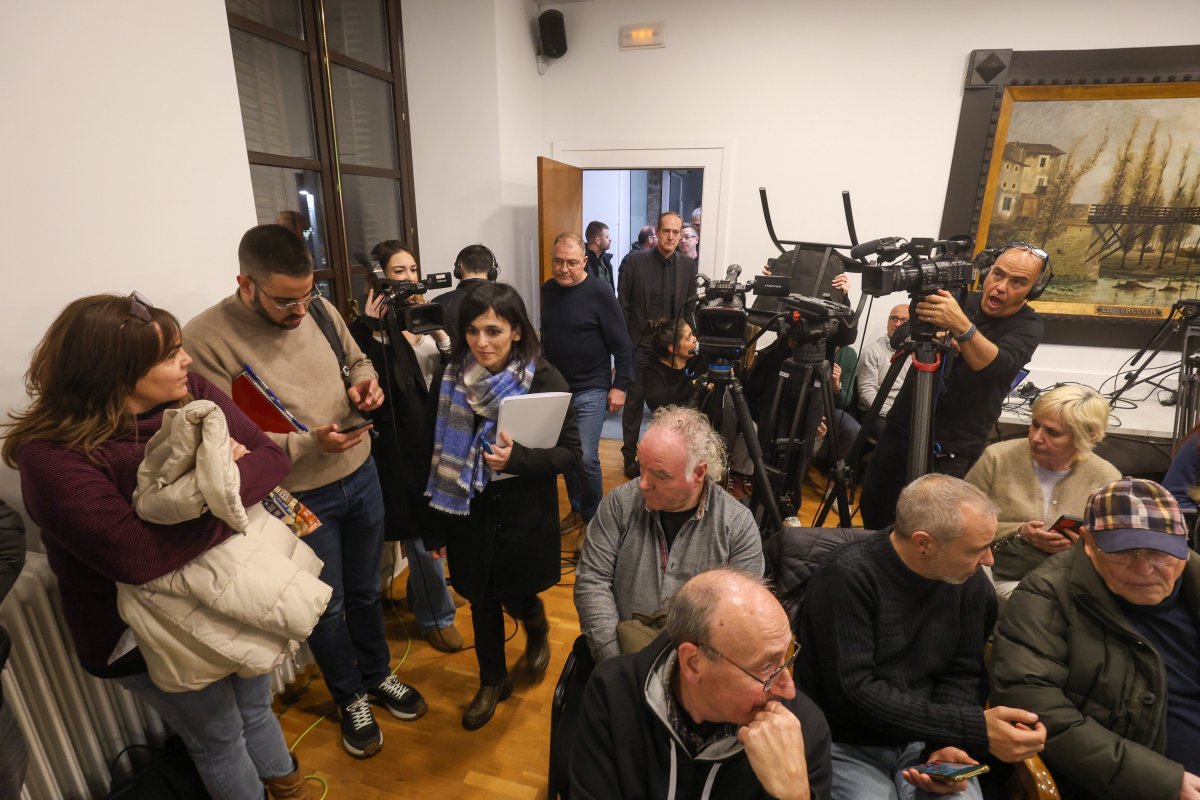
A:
(802, 372)
(925, 354)
(725, 382)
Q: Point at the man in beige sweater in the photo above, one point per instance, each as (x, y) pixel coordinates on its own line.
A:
(276, 325)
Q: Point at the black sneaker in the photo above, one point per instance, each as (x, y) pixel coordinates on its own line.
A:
(361, 736)
(400, 699)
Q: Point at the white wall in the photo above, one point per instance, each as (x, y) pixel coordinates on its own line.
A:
(125, 164)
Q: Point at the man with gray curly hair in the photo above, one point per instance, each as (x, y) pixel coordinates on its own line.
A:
(655, 532)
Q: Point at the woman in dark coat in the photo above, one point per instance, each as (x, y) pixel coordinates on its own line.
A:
(501, 536)
(407, 363)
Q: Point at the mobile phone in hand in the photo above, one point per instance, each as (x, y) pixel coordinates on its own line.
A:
(358, 426)
(947, 772)
(1067, 524)
(487, 447)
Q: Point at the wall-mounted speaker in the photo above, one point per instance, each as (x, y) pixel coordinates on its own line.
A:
(552, 34)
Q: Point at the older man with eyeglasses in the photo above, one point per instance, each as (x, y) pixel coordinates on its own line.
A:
(708, 710)
(1103, 642)
(276, 327)
(993, 335)
(583, 336)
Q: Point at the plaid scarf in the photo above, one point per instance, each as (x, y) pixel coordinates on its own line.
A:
(458, 471)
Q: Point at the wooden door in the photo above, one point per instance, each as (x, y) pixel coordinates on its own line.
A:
(560, 207)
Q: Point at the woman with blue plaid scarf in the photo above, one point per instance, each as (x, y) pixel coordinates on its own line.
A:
(501, 537)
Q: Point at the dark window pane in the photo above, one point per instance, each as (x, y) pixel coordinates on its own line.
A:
(366, 126)
(282, 15)
(274, 91)
(358, 28)
(372, 211)
(292, 198)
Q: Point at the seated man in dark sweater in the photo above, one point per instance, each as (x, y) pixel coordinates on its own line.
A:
(1103, 642)
(892, 635)
(708, 710)
(583, 335)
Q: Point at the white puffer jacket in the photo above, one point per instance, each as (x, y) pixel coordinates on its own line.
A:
(241, 606)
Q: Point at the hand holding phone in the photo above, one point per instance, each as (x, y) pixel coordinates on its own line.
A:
(358, 426)
(946, 772)
(487, 447)
(1067, 525)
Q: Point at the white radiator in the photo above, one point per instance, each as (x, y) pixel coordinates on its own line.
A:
(74, 724)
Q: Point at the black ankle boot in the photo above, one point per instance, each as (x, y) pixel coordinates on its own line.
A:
(483, 705)
(537, 643)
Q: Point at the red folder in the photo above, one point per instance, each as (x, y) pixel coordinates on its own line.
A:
(259, 407)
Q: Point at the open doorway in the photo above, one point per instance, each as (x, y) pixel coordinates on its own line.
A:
(629, 199)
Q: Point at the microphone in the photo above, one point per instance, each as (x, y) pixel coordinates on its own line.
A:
(872, 247)
(732, 272)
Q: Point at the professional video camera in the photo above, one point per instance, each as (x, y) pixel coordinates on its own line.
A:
(418, 317)
(813, 320)
(931, 265)
(722, 324)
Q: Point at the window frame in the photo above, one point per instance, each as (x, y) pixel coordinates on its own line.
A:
(320, 59)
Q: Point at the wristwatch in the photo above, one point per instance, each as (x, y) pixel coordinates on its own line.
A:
(963, 337)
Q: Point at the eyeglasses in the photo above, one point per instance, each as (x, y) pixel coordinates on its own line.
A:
(288, 303)
(1037, 251)
(894, 318)
(1155, 558)
(569, 263)
(766, 683)
(139, 309)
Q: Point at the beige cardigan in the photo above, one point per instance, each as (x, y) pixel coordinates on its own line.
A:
(1005, 474)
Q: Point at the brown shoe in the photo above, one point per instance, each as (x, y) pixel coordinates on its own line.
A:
(446, 639)
(483, 705)
(292, 786)
(458, 600)
(570, 522)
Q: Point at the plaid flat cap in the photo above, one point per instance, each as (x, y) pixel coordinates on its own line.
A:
(1132, 513)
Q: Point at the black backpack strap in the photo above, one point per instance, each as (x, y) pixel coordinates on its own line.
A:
(325, 323)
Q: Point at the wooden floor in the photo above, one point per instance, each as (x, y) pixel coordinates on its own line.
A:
(435, 757)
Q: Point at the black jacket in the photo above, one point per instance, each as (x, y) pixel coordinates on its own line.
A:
(403, 434)
(451, 300)
(600, 266)
(651, 287)
(623, 749)
(511, 535)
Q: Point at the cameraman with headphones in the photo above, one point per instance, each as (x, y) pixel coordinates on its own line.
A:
(474, 266)
(993, 337)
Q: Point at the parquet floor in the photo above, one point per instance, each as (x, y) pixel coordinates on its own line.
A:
(434, 757)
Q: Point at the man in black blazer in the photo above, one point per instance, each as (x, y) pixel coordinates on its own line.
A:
(474, 266)
(652, 284)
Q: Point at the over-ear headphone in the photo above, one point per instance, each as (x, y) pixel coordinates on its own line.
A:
(493, 272)
(987, 258)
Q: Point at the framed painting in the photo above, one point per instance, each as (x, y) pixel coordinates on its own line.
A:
(1095, 157)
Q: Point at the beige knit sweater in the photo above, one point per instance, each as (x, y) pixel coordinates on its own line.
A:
(301, 369)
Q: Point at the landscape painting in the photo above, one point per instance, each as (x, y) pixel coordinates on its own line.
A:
(1106, 179)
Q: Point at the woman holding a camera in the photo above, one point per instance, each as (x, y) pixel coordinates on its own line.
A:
(406, 363)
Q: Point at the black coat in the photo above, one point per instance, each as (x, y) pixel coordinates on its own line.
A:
(511, 538)
(405, 433)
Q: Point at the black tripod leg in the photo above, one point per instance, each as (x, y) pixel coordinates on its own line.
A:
(762, 482)
(921, 430)
(837, 486)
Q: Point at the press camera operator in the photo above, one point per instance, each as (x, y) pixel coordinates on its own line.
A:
(993, 337)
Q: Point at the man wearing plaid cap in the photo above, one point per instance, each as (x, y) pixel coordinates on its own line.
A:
(1102, 642)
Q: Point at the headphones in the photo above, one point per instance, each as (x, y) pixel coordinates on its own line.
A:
(987, 258)
(493, 272)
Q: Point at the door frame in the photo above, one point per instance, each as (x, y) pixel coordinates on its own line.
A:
(714, 156)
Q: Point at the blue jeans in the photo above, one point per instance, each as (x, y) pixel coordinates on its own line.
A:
(349, 642)
(428, 596)
(871, 773)
(585, 481)
(229, 728)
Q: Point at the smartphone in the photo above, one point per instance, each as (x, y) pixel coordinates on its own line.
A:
(946, 772)
(358, 426)
(1067, 524)
(487, 447)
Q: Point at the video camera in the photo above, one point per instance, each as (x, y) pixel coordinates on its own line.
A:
(931, 265)
(722, 324)
(418, 317)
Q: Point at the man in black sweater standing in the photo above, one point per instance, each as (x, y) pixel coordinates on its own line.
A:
(583, 334)
(652, 285)
(892, 635)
